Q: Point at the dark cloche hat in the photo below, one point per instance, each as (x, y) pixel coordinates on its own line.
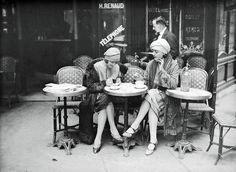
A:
(161, 19)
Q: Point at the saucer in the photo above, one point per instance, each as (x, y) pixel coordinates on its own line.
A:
(139, 86)
(114, 87)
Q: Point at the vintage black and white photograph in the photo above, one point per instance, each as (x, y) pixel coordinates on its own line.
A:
(118, 85)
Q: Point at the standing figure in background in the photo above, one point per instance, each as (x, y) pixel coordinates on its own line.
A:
(160, 27)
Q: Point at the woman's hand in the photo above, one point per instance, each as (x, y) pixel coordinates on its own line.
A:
(158, 57)
(161, 62)
(138, 77)
(109, 81)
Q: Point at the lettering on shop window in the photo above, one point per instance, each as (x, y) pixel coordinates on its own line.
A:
(157, 10)
(109, 37)
(192, 38)
(111, 5)
(193, 29)
(191, 17)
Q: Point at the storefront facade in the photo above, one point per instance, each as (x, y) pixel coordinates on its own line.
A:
(50, 34)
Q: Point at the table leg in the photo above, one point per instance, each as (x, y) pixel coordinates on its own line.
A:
(183, 145)
(54, 143)
(126, 144)
(54, 125)
(185, 121)
(65, 117)
(65, 141)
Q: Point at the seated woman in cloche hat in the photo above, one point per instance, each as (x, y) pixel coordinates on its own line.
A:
(99, 74)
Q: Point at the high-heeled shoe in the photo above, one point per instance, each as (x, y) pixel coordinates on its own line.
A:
(151, 148)
(117, 140)
(97, 148)
(130, 132)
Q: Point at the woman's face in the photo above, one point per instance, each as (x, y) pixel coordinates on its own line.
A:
(157, 55)
(110, 64)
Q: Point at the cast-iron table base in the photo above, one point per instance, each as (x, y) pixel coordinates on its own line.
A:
(66, 143)
(183, 146)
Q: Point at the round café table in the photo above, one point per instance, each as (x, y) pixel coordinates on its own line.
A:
(65, 91)
(193, 94)
(126, 90)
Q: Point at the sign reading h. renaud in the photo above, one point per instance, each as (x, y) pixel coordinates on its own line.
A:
(111, 5)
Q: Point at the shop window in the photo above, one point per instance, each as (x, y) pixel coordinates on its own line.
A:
(192, 27)
(111, 23)
(232, 36)
(156, 9)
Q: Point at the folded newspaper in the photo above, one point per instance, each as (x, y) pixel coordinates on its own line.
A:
(63, 87)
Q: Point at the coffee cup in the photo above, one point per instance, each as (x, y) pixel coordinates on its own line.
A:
(139, 83)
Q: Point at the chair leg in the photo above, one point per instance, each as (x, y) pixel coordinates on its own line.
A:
(145, 125)
(117, 117)
(54, 126)
(59, 117)
(212, 124)
(220, 145)
(202, 119)
(9, 101)
(145, 122)
(211, 131)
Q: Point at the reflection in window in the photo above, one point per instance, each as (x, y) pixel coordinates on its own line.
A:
(4, 12)
(232, 31)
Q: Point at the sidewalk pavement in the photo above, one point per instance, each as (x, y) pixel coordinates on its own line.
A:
(26, 129)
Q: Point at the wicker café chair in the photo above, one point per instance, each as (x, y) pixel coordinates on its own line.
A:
(82, 61)
(8, 78)
(199, 79)
(132, 70)
(224, 121)
(70, 75)
(197, 61)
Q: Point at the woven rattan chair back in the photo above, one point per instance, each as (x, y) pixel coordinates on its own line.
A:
(197, 61)
(8, 64)
(8, 79)
(132, 70)
(82, 61)
(199, 78)
(70, 74)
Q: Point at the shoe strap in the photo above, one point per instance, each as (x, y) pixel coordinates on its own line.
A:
(152, 145)
(134, 130)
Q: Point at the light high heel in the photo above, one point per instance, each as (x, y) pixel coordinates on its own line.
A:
(149, 150)
(130, 132)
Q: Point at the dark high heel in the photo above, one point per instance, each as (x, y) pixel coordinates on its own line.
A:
(117, 140)
(97, 149)
(129, 134)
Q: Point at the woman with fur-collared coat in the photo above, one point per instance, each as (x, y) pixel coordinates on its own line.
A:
(98, 74)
